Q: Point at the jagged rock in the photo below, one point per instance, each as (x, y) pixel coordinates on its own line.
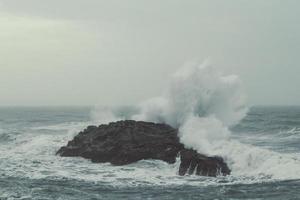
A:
(195, 163)
(126, 142)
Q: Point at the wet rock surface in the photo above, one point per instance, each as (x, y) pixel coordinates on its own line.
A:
(195, 163)
(126, 142)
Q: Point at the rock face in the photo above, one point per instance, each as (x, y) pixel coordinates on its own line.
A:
(195, 163)
(126, 142)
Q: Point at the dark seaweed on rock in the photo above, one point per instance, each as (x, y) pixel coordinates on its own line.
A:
(129, 141)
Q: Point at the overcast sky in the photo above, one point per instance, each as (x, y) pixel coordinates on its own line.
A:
(114, 52)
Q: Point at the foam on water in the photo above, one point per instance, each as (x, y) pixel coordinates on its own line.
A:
(294, 132)
(32, 156)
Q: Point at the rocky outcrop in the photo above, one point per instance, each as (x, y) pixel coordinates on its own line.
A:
(126, 142)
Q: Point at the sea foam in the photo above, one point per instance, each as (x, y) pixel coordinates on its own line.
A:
(202, 103)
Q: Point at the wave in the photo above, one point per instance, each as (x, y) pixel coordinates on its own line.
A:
(204, 104)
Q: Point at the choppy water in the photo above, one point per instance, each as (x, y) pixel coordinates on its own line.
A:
(267, 140)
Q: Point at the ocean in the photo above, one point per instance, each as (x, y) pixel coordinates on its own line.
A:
(262, 150)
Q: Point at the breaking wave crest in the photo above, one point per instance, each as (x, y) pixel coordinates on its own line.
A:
(203, 104)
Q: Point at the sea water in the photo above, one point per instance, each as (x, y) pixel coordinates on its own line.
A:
(265, 143)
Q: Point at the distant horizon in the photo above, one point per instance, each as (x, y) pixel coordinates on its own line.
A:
(111, 106)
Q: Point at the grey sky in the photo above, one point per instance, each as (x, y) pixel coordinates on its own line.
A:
(86, 52)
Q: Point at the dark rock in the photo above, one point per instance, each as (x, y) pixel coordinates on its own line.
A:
(126, 142)
(195, 163)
